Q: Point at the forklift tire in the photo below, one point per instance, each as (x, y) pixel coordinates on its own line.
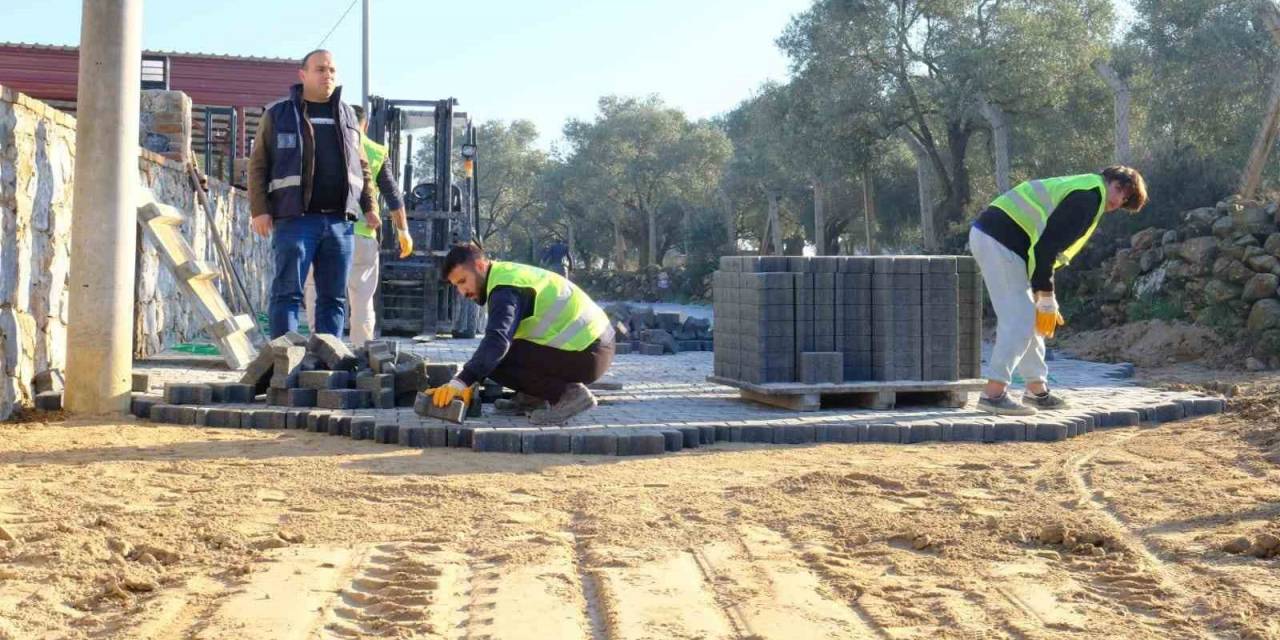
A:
(464, 335)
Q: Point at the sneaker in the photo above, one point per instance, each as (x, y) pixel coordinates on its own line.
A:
(521, 405)
(1046, 402)
(1004, 406)
(576, 399)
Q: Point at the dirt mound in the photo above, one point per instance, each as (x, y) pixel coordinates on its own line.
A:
(1152, 343)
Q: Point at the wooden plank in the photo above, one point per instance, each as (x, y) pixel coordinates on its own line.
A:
(794, 402)
(869, 386)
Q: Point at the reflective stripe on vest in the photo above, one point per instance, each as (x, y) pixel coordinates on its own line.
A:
(1031, 203)
(564, 317)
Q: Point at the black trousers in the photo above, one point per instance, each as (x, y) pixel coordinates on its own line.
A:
(545, 372)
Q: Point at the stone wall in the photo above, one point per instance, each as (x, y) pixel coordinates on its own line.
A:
(37, 162)
(1220, 269)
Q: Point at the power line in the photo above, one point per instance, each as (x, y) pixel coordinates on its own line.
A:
(336, 24)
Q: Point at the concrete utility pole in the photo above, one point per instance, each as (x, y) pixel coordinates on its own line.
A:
(364, 64)
(104, 219)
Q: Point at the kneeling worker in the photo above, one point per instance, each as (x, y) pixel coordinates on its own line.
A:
(545, 338)
(1027, 233)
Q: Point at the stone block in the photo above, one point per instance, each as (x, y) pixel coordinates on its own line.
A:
(440, 374)
(340, 425)
(821, 367)
(497, 440)
(413, 436)
(324, 379)
(232, 392)
(141, 382)
(1167, 412)
(844, 433)
(793, 434)
(649, 349)
(887, 433)
(343, 399)
(386, 434)
(333, 352)
(1048, 431)
(456, 412)
(673, 439)
(926, 432)
(548, 442)
(594, 443)
(377, 382)
(141, 405)
(298, 397)
(362, 428)
(184, 393)
(384, 399)
(642, 443)
(1010, 431)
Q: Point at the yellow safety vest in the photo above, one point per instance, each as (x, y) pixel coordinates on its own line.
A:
(1031, 203)
(377, 157)
(564, 317)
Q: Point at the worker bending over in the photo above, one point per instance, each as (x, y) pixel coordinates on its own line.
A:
(363, 280)
(545, 337)
(1018, 241)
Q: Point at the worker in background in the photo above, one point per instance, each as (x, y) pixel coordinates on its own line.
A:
(1018, 241)
(363, 280)
(309, 181)
(556, 258)
(546, 339)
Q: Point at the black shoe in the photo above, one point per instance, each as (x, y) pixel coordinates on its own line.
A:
(1004, 406)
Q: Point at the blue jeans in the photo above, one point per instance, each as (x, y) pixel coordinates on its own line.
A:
(325, 242)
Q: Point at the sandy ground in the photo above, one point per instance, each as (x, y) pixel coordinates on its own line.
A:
(140, 531)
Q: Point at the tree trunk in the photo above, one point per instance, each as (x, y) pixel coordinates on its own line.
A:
(619, 245)
(957, 198)
(652, 258)
(869, 209)
(1266, 137)
(773, 227)
(819, 218)
(924, 182)
(730, 225)
(569, 223)
(1000, 139)
(1122, 97)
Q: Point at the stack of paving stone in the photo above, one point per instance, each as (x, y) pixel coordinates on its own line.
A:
(643, 331)
(323, 372)
(847, 319)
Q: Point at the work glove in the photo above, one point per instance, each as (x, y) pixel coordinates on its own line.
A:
(443, 395)
(406, 242)
(1048, 317)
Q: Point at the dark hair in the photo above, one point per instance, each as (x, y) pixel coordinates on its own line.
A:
(359, 111)
(463, 253)
(307, 58)
(1130, 179)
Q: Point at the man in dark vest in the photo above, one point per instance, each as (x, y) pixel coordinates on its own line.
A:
(545, 338)
(309, 181)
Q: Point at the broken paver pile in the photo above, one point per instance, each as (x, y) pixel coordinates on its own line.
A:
(643, 331)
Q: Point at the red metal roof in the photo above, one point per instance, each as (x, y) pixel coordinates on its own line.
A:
(49, 72)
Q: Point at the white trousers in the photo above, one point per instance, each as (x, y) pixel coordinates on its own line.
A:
(361, 284)
(1018, 347)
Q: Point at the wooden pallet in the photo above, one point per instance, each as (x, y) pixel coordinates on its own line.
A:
(868, 395)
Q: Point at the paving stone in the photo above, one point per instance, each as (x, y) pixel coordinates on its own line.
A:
(1167, 412)
(49, 401)
(320, 380)
(674, 440)
(707, 434)
(497, 440)
(440, 374)
(343, 399)
(377, 382)
(223, 418)
(333, 352)
(751, 433)
(965, 431)
(649, 349)
(386, 434)
(1010, 431)
(925, 432)
(793, 434)
(724, 433)
(340, 425)
(362, 428)
(1048, 432)
(200, 416)
(595, 443)
(411, 377)
(182, 393)
(843, 433)
(884, 433)
(459, 436)
(557, 442)
(456, 412)
(641, 443)
(232, 392)
(413, 436)
(262, 418)
(692, 437)
(296, 397)
(258, 373)
(314, 418)
(141, 382)
(141, 405)
(1193, 407)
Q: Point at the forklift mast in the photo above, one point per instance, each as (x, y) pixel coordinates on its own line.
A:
(441, 209)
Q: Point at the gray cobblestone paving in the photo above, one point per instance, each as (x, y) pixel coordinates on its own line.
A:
(665, 393)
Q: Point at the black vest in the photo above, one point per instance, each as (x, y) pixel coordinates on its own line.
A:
(285, 188)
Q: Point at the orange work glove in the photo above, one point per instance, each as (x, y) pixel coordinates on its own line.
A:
(1048, 317)
(441, 396)
(406, 242)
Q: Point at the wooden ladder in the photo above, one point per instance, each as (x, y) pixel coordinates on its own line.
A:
(163, 225)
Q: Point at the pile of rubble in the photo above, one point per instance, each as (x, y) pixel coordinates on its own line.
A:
(643, 331)
(1221, 268)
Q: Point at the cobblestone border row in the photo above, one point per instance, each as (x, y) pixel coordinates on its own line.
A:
(386, 427)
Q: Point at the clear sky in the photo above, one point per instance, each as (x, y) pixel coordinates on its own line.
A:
(542, 60)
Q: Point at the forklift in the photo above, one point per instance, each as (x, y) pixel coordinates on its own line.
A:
(442, 210)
